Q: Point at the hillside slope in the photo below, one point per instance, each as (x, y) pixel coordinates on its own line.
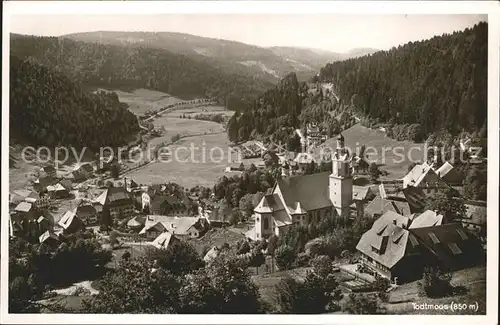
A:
(421, 87)
(118, 67)
(47, 108)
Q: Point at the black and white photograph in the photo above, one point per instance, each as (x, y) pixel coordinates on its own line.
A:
(218, 162)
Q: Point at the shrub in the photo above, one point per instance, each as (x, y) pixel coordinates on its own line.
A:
(436, 283)
(302, 259)
(322, 265)
(285, 256)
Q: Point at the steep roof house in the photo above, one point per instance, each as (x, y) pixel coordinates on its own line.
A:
(193, 227)
(57, 191)
(49, 238)
(70, 223)
(424, 176)
(401, 247)
(118, 201)
(164, 240)
(450, 246)
(378, 206)
(450, 174)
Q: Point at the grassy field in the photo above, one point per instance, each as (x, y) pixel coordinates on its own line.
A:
(473, 279)
(141, 100)
(209, 109)
(202, 165)
(183, 127)
(393, 156)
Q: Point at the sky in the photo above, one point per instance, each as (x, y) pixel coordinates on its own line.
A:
(333, 32)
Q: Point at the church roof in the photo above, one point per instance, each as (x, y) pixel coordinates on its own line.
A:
(312, 191)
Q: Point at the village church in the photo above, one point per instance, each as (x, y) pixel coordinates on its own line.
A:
(307, 199)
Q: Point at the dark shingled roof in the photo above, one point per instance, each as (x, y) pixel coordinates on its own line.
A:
(312, 191)
(381, 206)
(416, 198)
(118, 195)
(449, 237)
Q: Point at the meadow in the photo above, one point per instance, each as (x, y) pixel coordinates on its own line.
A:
(391, 155)
(142, 100)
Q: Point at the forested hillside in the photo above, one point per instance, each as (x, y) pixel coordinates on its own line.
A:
(232, 57)
(47, 108)
(114, 67)
(437, 84)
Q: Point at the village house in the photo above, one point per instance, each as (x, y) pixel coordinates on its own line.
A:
(49, 238)
(314, 135)
(193, 227)
(424, 176)
(87, 213)
(81, 172)
(164, 240)
(308, 199)
(475, 217)
(45, 220)
(170, 205)
(70, 223)
(450, 175)
(304, 159)
(40, 184)
(48, 171)
(57, 191)
(361, 196)
(117, 201)
(136, 223)
(25, 209)
(399, 247)
(18, 196)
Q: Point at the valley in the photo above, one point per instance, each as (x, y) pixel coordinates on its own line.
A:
(246, 179)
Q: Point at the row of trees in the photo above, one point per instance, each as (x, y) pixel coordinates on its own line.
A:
(439, 84)
(47, 108)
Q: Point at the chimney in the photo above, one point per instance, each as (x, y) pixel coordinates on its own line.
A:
(394, 222)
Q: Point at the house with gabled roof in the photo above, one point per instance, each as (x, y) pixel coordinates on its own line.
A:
(49, 238)
(450, 246)
(57, 191)
(117, 201)
(424, 176)
(450, 174)
(164, 240)
(70, 223)
(48, 170)
(399, 247)
(378, 206)
(192, 227)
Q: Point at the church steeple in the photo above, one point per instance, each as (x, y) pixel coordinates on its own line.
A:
(341, 179)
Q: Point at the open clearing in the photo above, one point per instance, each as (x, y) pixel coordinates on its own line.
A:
(197, 160)
(142, 100)
(393, 156)
(205, 109)
(183, 127)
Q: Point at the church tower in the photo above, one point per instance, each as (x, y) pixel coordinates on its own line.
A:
(264, 222)
(341, 180)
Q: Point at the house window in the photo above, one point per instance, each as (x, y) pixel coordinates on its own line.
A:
(370, 259)
(266, 223)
